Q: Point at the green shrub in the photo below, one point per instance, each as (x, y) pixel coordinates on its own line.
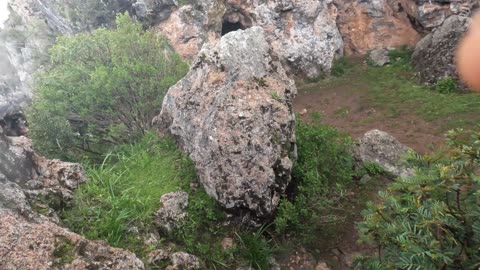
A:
(430, 220)
(124, 191)
(446, 85)
(324, 166)
(101, 89)
(340, 66)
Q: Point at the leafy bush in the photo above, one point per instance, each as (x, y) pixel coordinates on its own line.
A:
(123, 192)
(340, 66)
(447, 85)
(430, 220)
(323, 167)
(101, 89)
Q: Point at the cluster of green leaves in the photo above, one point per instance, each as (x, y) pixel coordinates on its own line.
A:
(447, 85)
(323, 168)
(430, 220)
(123, 192)
(101, 89)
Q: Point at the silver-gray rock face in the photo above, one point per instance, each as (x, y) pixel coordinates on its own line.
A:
(434, 55)
(233, 114)
(382, 148)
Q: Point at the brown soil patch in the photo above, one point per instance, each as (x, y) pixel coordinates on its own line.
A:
(351, 111)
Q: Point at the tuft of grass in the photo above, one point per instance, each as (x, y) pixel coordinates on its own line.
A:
(255, 248)
(123, 192)
(340, 66)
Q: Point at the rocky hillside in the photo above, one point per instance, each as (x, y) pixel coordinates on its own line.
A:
(232, 115)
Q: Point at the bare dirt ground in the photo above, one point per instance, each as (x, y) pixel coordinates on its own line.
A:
(351, 111)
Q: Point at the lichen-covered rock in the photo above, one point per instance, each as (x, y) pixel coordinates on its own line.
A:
(38, 244)
(172, 210)
(434, 55)
(429, 14)
(302, 33)
(379, 57)
(183, 261)
(380, 147)
(27, 178)
(233, 114)
(373, 24)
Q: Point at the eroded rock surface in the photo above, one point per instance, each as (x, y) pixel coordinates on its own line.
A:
(373, 24)
(233, 114)
(430, 14)
(434, 55)
(382, 148)
(379, 57)
(302, 33)
(36, 244)
(172, 210)
(47, 184)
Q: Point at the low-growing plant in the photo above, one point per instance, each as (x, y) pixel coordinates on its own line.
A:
(432, 219)
(340, 66)
(255, 248)
(124, 191)
(446, 85)
(324, 166)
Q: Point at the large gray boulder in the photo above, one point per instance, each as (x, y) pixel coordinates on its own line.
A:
(385, 150)
(233, 114)
(434, 55)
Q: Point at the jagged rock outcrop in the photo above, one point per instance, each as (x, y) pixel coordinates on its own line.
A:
(233, 114)
(383, 149)
(434, 55)
(373, 24)
(30, 185)
(35, 243)
(47, 184)
(430, 14)
(303, 33)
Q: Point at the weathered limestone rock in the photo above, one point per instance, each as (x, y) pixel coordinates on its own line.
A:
(432, 13)
(172, 212)
(434, 55)
(380, 57)
(382, 148)
(233, 114)
(303, 33)
(183, 261)
(36, 244)
(27, 178)
(373, 24)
